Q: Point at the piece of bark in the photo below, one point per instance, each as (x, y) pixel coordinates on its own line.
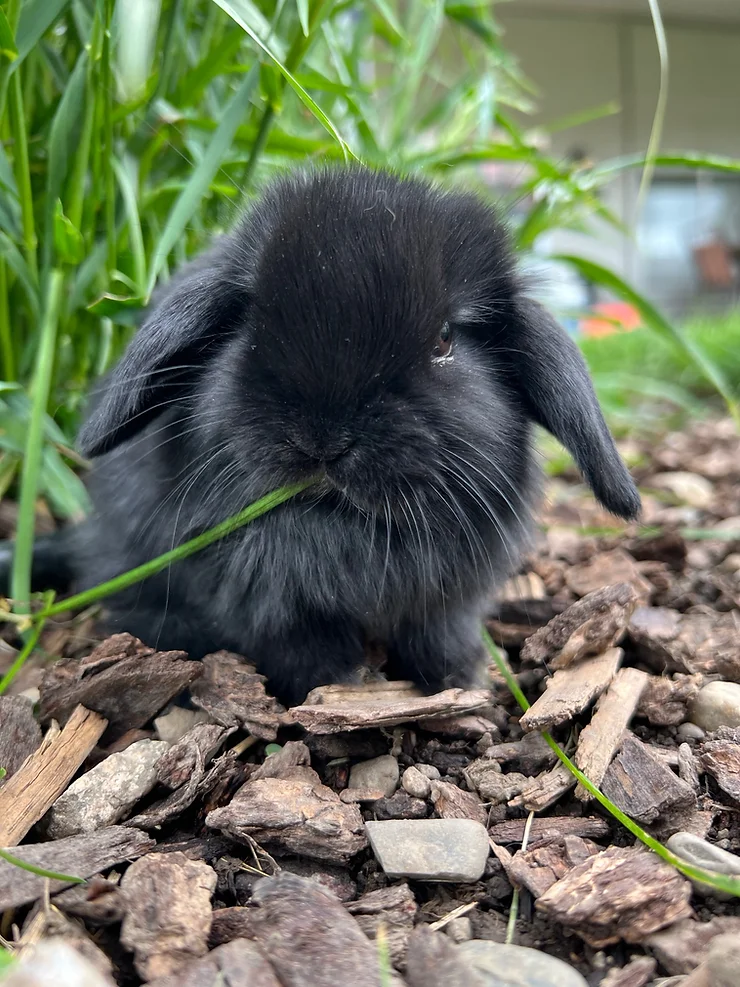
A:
(529, 755)
(452, 802)
(571, 690)
(122, 680)
(43, 776)
(168, 912)
(336, 708)
(228, 924)
(721, 759)
(20, 734)
(75, 856)
(539, 868)
(682, 947)
(665, 701)
(546, 830)
(433, 958)
(637, 973)
(394, 909)
(600, 739)
(607, 569)
(196, 748)
(622, 893)
(529, 613)
(298, 925)
(545, 790)
(640, 784)
(588, 627)
(235, 964)
(294, 816)
(98, 902)
(694, 643)
(469, 727)
(233, 694)
(688, 767)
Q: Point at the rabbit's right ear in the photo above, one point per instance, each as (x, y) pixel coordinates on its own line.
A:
(193, 319)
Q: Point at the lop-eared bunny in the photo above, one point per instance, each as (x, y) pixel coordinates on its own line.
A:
(370, 331)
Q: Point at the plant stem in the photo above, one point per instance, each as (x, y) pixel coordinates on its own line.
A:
(22, 170)
(22, 558)
(39, 871)
(6, 339)
(23, 655)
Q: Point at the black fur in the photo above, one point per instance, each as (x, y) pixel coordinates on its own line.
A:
(303, 343)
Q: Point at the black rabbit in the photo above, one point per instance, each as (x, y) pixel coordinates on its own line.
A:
(369, 330)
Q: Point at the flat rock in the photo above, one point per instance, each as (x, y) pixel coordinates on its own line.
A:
(106, 793)
(717, 705)
(701, 853)
(430, 849)
(168, 912)
(380, 773)
(622, 893)
(501, 965)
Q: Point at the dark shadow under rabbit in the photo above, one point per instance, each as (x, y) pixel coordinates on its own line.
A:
(370, 331)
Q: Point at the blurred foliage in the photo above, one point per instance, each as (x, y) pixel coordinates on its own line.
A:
(132, 129)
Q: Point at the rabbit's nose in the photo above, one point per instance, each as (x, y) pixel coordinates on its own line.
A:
(322, 448)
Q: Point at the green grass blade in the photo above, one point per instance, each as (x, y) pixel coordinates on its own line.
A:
(233, 9)
(39, 871)
(191, 196)
(302, 6)
(720, 882)
(22, 557)
(126, 579)
(17, 264)
(653, 319)
(37, 16)
(133, 220)
(22, 657)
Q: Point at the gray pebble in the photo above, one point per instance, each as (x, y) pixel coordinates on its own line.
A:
(106, 793)
(694, 850)
(416, 783)
(723, 960)
(381, 773)
(499, 965)
(690, 731)
(718, 704)
(175, 723)
(430, 849)
(429, 771)
(460, 929)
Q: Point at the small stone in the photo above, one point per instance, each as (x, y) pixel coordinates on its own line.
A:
(400, 806)
(690, 488)
(429, 771)
(460, 929)
(731, 563)
(706, 855)
(718, 704)
(500, 965)
(690, 731)
(106, 793)
(430, 849)
(380, 773)
(723, 961)
(416, 784)
(486, 777)
(54, 961)
(177, 721)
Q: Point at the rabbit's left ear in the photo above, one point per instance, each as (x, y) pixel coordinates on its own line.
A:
(555, 388)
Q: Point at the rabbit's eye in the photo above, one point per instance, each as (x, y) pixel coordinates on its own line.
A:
(443, 347)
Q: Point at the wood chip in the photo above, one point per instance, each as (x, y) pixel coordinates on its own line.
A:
(640, 784)
(76, 856)
(333, 709)
(235, 964)
(665, 701)
(197, 747)
(688, 642)
(233, 694)
(721, 759)
(539, 868)
(588, 627)
(622, 893)
(20, 734)
(122, 680)
(394, 909)
(451, 802)
(291, 919)
(608, 569)
(43, 776)
(546, 830)
(571, 690)
(600, 739)
(168, 912)
(634, 974)
(97, 903)
(545, 790)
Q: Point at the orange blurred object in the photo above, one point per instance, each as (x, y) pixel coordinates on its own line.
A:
(617, 317)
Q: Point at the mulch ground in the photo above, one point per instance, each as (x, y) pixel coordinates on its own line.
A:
(222, 838)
